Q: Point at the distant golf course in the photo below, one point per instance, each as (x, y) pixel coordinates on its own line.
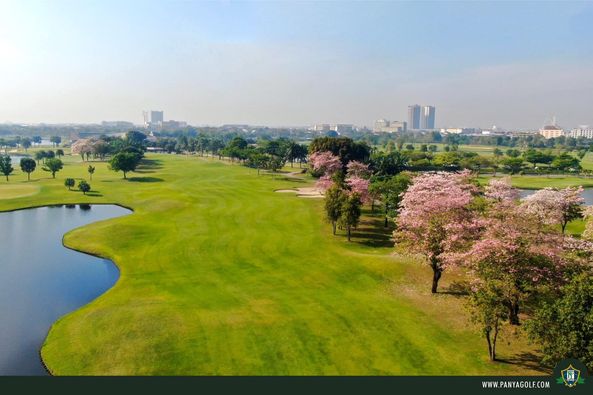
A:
(220, 275)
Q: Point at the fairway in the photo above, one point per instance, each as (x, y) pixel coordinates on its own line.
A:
(220, 275)
(13, 191)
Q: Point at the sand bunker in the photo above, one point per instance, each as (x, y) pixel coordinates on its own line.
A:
(309, 192)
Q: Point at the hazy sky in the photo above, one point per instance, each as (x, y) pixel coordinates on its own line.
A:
(513, 64)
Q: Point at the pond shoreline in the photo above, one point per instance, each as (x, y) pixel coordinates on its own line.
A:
(111, 261)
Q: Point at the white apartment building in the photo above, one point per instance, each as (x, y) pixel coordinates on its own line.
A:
(582, 131)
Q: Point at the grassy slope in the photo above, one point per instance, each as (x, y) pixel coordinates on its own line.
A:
(220, 275)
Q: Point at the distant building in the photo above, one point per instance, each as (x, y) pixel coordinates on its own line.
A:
(427, 117)
(172, 125)
(385, 126)
(380, 124)
(117, 124)
(342, 128)
(414, 116)
(551, 131)
(582, 131)
(156, 117)
(321, 127)
(459, 130)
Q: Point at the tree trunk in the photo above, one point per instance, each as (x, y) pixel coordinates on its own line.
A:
(437, 273)
(334, 227)
(514, 312)
(564, 223)
(493, 355)
(386, 223)
(372, 205)
(487, 334)
(53, 175)
(28, 176)
(349, 227)
(125, 175)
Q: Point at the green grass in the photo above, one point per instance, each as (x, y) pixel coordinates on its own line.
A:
(12, 191)
(220, 276)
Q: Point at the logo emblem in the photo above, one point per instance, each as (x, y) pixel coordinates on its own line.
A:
(570, 376)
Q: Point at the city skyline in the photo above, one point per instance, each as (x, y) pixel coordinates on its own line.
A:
(296, 64)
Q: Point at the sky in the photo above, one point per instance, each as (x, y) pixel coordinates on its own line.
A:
(293, 63)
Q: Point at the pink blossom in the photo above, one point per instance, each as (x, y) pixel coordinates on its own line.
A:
(360, 186)
(325, 162)
(324, 183)
(358, 169)
(435, 219)
(555, 206)
(501, 190)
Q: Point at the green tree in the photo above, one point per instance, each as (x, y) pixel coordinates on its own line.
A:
(53, 165)
(513, 153)
(28, 166)
(566, 162)
(134, 137)
(55, 140)
(59, 153)
(497, 153)
(563, 325)
(489, 313)
(513, 165)
(26, 143)
(91, 170)
(69, 183)
(334, 199)
(40, 155)
(6, 166)
(84, 186)
(350, 213)
(258, 161)
(124, 162)
(390, 191)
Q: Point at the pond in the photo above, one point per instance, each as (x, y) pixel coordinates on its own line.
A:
(587, 194)
(41, 280)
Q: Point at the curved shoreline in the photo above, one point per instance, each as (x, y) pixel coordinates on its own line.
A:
(132, 211)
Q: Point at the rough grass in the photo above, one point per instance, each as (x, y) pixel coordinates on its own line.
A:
(222, 276)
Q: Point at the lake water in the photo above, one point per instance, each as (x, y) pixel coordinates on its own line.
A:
(587, 194)
(41, 280)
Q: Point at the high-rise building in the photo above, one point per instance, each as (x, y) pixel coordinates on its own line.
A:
(156, 117)
(427, 117)
(414, 116)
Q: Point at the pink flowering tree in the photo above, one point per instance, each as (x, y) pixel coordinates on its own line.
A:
(500, 190)
(359, 186)
(325, 162)
(556, 206)
(588, 215)
(513, 256)
(435, 218)
(358, 169)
